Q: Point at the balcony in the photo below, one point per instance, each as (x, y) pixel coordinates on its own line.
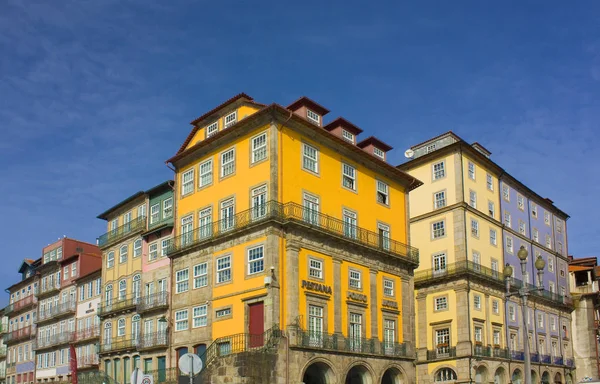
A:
(2, 352)
(2, 373)
(487, 275)
(159, 300)
(122, 232)
(54, 312)
(117, 345)
(557, 360)
(25, 333)
(535, 357)
(517, 355)
(501, 353)
(168, 376)
(545, 359)
(48, 289)
(441, 353)
(51, 341)
(123, 304)
(293, 214)
(23, 304)
(3, 328)
(159, 223)
(88, 361)
(570, 363)
(480, 350)
(152, 341)
(89, 333)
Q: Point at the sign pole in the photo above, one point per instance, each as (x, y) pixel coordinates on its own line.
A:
(191, 370)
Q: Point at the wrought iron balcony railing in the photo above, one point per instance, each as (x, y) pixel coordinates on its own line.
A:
(293, 213)
(480, 350)
(517, 355)
(152, 340)
(24, 333)
(88, 333)
(53, 312)
(558, 360)
(166, 221)
(88, 361)
(123, 231)
(470, 268)
(441, 353)
(167, 376)
(546, 359)
(117, 344)
(25, 303)
(502, 353)
(51, 341)
(156, 300)
(48, 289)
(570, 363)
(113, 305)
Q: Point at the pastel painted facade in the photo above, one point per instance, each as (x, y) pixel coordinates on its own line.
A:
(284, 222)
(3, 349)
(467, 225)
(87, 331)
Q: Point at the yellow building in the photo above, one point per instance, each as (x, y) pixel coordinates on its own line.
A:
(461, 322)
(284, 223)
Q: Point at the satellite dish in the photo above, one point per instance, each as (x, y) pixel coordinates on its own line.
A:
(409, 153)
(190, 364)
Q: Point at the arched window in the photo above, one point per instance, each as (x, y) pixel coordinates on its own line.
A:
(108, 294)
(137, 287)
(122, 289)
(445, 375)
(180, 352)
(135, 327)
(121, 327)
(110, 259)
(107, 339)
(123, 253)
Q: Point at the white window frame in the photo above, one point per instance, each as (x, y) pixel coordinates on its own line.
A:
(227, 211)
(473, 199)
(512, 313)
(474, 228)
(520, 202)
(550, 264)
(388, 287)
(153, 251)
(348, 136)
(495, 307)
(230, 120)
(509, 244)
(379, 153)
(200, 316)
(256, 260)
(167, 208)
(440, 172)
(441, 303)
(491, 208)
(181, 320)
(182, 278)
(259, 147)
(471, 170)
(354, 279)
(310, 158)
(123, 256)
(505, 192)
(440, 263)
(315, 268)
(383, 193)
(187, 182)
(205, 172)
(507, 219)
(535, 235)
(534, 210)
(490, 182)
(223, 312)
(522, 227)
(477, 301)
(227, 162)
(200, 275)
(493, 237)
(439, 199)
(546, 217)
(224, 272)
(349, 179)
(212, 129)
(313, 117)
(437, 233)
(137, 248)
(154, 213)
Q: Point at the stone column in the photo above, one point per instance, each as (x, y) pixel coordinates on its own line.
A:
(407, 311)
(272, 302)
(422, 326)
(488, 323)
(337, 295)
(374, 305)
(291, 277)
(463, 322)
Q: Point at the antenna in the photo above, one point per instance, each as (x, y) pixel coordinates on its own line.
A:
(409, 153)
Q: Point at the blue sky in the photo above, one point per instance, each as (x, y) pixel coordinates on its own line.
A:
(96, 94)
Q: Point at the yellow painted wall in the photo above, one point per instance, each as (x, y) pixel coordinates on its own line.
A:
(303, 257)
(479, 186)
(119, 270)
(366, 290)
(327, 185)
(242, 112)
(237, 185)
(397, 298)
(421, 199)
(421, 238)
(482, 243)
(434, 316)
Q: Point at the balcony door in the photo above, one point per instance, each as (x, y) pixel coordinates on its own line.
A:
(315, 326)
(256, 324)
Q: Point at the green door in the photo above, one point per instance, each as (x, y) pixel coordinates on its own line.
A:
(162, 369)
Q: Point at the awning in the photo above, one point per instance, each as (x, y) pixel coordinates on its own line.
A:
(577, 268)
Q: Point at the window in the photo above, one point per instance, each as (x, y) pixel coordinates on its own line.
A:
(388, 287)
(199, 316)
(507, 219)
(438, 229)
(389, 333)
(355, 333)
(228, 162)
(559, 247)
(478, 335)
(187, 229)
(230, 119)
(137, 248)
(546, 217)
(348, 136)
(121, 327)
(509, 244)
(310, 158)
(558, 226)
(227, 214)
(520, 202)
(563, 291)
(430, 148)
(473, 199)
(212, 129)
(200, 275)
(313, 117)
(315, 325)
(315, 269)
(439, 263)
(491, 209)
(154, 213)
(123, 254)
(66, 272)
(181, 279)
(439, 199)
(384, 236)
(73, 271)
(548, 242)
(445, 374)
(522, 228)
(181, 320)
(187, 182)
(511, 313)
(438, 171)
(350, 228)
(205, 223)
(496, 337)
(477, 301)
(110, 259)
(122, 289)
(379, 153)
(442, 339)
(536, 235)
(256, 260)
(495, 267)
(206, 173)
(550, 264)
(141, 211)
(553, 323)
(349, 176)
(152, 251)
(354, 279)
(534, 211)
(551, 287)
(441, 303)
(164, 246)
(259, 148)
(259, 202)
(98, 286)
(493, 239)
(311, 209)
(505, 192)
(474, 227)
(168, 208)
(495, 307)
(476, 260)
(540, 320)
(383, 194)
(224, 269)
(471, 171)
(223, 312)
(490, 182)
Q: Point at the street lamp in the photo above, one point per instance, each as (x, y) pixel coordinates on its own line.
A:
(523, 293)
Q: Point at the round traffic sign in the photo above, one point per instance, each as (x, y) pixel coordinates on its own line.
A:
(190, 364)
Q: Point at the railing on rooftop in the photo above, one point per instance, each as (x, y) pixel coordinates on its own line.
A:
(293, 213)
(154, 301)
(124, 230)
(118, 304)
(475, 269)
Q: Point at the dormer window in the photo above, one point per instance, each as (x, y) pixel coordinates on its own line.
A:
(313, 117)
(430, 148)
(379, 153)
(230, 119)
(348, 136)
(212, 129)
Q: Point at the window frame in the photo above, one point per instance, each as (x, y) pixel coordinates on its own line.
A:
(189, 184)
(438, 233)
(231, 122)
(383, 192)
(315, 118)
(260, 261)
(202, 174)
(219, 270)
(254, 149)
(307, 157)
(357, 279)
(202, 316)
(471, 170)
(439, 173)
(311, 268)
(202, 275)
(439, 203)
(212, 129)
(181, 321)
(351, 177)
(225, 163)
(182, 281)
